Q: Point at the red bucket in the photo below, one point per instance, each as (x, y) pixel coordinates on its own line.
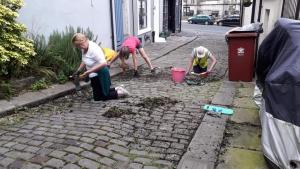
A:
(178, 74)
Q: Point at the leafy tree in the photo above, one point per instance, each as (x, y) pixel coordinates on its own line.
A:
(15, 49)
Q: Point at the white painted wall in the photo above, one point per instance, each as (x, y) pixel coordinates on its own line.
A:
(208, 6)
(161, 15)
(126, 18)
(45, 16)
(157, 23)
(274, 6)
(247, 15)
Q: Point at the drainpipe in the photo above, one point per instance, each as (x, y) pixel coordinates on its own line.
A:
(180, 16)
(253, 11)
(297, 10)
(241, 13)
(257, 38)
(283, 3)
(259, 11)
(112, 25)
(133, 19)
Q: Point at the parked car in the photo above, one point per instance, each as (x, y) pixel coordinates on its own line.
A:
(201, 19)
(229, 21)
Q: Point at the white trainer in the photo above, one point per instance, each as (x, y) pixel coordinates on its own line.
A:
(126, 93)
(96, 101)
(118, 87)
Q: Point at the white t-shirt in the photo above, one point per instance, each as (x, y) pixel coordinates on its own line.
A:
(93, 57)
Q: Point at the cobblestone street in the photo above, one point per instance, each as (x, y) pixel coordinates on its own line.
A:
(72, 132)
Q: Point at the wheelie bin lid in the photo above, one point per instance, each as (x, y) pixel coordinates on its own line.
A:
(250, 30)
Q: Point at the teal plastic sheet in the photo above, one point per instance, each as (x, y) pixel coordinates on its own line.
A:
(218, 109)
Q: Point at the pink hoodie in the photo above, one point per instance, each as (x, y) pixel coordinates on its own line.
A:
(132, 42)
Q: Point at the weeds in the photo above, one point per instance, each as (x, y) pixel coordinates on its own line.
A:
(38, 85)
(6, 90)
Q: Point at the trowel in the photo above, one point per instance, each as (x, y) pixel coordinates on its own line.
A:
(76, 81)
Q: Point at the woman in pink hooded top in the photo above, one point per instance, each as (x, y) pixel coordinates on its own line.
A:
(128, 47)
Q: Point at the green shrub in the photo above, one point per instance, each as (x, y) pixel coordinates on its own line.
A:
(37, 66)
(61, 51)
(15, 49)
(40, 84)
(6, 90)
(57, 59)
(62, 78)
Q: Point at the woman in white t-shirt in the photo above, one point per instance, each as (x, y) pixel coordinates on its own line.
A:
(94, 61)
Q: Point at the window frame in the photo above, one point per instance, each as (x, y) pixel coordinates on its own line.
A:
(148, 16)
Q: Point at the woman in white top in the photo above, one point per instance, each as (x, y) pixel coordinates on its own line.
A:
(96, 68)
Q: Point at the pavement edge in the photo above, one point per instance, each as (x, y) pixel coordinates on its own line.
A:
(203, 150)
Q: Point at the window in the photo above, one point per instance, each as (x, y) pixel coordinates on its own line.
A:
(142, 6)
(266, 19)
(186, 11)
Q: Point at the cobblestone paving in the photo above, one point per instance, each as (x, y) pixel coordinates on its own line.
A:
(71, 132)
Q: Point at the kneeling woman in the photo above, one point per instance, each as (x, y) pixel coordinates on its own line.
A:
(94, 61)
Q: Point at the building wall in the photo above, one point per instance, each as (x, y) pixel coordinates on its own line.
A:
(270, 12)
(247, 15)
(275, 7)
(161, 15)
(128, 25)
(45, 16)
(207, 7)
(145, 33)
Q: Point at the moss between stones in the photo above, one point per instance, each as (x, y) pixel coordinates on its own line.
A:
(154, 102)
(246, 159)
(117, 112)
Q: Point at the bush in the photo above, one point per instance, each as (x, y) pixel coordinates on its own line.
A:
(38, 85)
(62, 78)
(57, 59)
(6, 90)
(15, 49)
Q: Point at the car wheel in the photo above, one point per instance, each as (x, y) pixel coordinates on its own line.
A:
(190, 22)
(220, 23)
(206, 22)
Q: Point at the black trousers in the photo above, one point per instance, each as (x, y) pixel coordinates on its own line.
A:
(99, 85)
(198, 69)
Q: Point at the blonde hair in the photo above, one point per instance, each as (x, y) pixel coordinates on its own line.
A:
(79, 38)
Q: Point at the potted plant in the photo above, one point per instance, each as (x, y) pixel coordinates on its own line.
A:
(247, 3)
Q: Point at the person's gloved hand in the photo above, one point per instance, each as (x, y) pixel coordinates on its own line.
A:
(76, 73)
(204, 74)
(136, 73)
(84, 75)
(124, 66)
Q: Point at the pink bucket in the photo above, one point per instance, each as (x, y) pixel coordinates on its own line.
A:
(178, 74)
